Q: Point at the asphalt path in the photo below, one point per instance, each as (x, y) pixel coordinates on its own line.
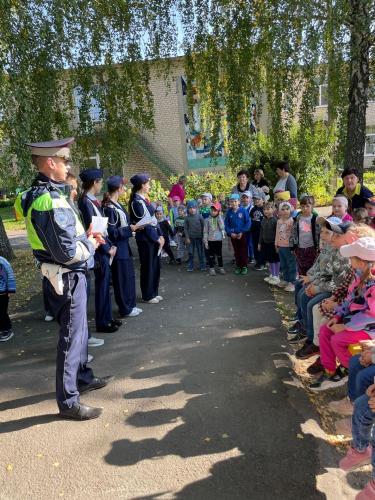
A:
(198, 409)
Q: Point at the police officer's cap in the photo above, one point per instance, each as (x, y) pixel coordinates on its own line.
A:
(60, 148)
(115, 181)
(139, 179)
(91, 174)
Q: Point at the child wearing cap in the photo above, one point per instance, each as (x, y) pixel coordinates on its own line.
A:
(354, 319)
(247, 203)
(193, 228)
(256, 217)
(179, 231)
(213, 235)
(237, 222)
(167, 233)
(362, 450)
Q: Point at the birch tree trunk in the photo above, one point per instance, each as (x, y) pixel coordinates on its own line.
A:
(6, 250)
(359, 83)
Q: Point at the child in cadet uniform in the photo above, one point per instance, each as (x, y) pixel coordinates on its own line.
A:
(247, 203)
(256, 217)
(213, 235)
(193, 228)
(287, 259)
(237, 222)
(266, 243)
(7, 286)
(166, 232)
(179, 231)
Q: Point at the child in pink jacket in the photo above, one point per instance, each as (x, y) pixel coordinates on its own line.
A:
(354, 319)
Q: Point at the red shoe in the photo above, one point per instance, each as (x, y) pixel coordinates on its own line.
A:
(354, 459)
(368, 493)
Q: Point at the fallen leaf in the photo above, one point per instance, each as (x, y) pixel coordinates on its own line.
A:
(225, 436)
(300, 436)
(197, 341)
(207, 439)
(9, 467)
(274, 392)
(56, 464)
(180, 333)
(39, 455)
(106, 425)
(125, 411)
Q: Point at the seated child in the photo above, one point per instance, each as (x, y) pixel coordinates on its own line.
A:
(354, 319)
(340, 208)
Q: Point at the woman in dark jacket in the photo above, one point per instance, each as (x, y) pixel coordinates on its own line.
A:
(119, 232)
(353, 190)
(89, 206)
(149, 239)
(260, 182)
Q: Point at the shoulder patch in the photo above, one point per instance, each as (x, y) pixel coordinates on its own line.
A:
(63, 217)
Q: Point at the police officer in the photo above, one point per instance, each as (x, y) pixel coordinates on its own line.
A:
(120, 231)
(149, 239)
(60, 245)
(89, 206)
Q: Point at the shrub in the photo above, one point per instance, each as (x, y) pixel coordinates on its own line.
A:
(6, 203)
(209, 182)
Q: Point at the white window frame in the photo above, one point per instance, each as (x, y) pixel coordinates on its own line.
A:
(320, 105)
(94, 108)
(369, 154)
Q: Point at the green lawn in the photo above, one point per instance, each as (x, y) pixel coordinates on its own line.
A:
(9, 219)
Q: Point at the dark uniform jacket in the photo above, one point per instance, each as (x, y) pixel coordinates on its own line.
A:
(141, 208)
(119, 230)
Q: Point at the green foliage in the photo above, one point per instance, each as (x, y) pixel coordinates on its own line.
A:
(211, 182)
(6, 203)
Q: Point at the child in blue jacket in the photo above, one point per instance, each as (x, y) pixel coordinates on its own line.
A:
(237, 223)
(7, 286)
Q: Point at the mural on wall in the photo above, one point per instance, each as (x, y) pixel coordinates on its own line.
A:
(198, 146)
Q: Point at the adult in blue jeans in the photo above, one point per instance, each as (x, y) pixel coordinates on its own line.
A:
(361, 374)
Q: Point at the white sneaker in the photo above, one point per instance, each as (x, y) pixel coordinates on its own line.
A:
(212, 272)
(95, 342)
(267, 278)
(48, 317)
(172, 244)
(159, 297)
(290, 287)
(152, 301)
(90, 357)
(139, 309)
(134, 312)
(282, 284)
(222, 270)
(274, 280)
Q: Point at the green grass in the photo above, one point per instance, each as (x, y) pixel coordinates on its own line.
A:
(9, 219)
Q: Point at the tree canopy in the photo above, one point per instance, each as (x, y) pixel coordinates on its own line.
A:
(54, 53)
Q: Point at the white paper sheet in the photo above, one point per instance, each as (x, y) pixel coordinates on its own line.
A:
(99, 224)
(147, 219)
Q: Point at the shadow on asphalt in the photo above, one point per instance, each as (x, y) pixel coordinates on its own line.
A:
(26, 401)
(24, 423)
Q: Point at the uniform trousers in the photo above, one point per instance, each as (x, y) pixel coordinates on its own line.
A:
(103, 306)
(123, 280)
(150, 268)
(240, 251)
(70, 312)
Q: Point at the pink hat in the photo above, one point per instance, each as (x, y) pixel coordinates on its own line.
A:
(363, 248)
(216, 206)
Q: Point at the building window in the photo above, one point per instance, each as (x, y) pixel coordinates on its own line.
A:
(323, 95)
(371, 92)
(370, 145)
(94, 108)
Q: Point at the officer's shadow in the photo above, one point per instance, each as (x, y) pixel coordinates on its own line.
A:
(24, 423)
